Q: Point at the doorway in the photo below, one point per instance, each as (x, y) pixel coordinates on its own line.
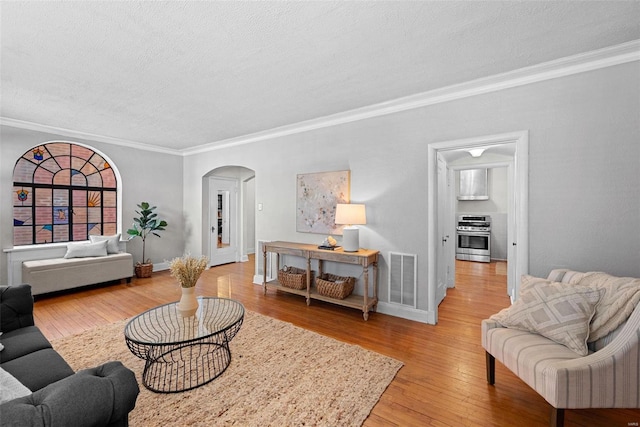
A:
(223, 215)
(516, 145)
(229, 215)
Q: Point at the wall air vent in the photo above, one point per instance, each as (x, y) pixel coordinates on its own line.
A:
(403, 278)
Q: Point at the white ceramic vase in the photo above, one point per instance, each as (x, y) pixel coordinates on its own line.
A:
(188, 304)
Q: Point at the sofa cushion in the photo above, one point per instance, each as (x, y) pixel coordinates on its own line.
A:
(10, 387)
(554, 310)
(38, 369)
(22, 341)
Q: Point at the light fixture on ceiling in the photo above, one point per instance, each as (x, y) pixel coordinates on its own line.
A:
(476, 152)
(350, 214)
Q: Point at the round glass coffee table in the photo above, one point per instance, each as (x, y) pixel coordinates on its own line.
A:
(182, 353)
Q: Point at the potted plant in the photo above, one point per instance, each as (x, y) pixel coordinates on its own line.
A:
(146, 223)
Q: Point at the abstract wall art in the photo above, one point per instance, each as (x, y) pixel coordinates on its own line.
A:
(317, 197)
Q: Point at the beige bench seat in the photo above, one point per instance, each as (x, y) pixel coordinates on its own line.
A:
(56, 274)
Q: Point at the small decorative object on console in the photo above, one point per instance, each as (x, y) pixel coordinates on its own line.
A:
(329, 244)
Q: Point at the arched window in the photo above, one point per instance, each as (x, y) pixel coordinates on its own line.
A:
(63, 192)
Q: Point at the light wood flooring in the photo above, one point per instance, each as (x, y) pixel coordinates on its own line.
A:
(442, 382)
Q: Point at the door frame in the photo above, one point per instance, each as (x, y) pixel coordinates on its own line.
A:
(519, 248)
(444, 223)
(234, 215)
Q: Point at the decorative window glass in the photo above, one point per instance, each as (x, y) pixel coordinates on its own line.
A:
(63, 192)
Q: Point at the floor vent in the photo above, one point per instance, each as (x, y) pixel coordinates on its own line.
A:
(403, 278)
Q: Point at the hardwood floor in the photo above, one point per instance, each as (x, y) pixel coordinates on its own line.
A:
(443, 380)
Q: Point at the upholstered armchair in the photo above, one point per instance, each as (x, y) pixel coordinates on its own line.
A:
(605, 377)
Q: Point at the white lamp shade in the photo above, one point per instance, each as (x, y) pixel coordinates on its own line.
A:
(350, 214)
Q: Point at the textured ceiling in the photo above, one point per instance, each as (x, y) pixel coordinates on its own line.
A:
(182, 74)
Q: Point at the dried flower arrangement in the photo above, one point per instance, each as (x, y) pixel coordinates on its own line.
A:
(187, 269)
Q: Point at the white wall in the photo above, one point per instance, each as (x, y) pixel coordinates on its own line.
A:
(249, 215)
(584, 170)
(146, 176)
(583, 185)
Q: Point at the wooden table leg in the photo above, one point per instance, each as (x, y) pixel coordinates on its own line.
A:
(308, 281)
(365, 277)
(264, 269)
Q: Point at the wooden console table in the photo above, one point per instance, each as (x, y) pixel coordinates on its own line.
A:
(364, 257)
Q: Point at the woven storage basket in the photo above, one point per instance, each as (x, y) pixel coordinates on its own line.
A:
(334, 286)
(143, 270)
(293, 277)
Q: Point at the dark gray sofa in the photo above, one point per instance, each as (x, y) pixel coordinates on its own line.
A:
(100, 396)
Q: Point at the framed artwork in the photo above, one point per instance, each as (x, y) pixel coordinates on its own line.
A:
(317, 197)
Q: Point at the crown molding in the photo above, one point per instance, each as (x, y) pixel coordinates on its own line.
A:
(69, 133)
(589, 61)
(575, 64)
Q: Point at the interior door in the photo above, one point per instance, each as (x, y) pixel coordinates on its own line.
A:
(223, 214)
(445, 240)
(515, 265)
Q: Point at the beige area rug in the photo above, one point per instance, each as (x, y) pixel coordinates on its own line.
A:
(280, 375)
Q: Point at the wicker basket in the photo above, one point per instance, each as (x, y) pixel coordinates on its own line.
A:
(293, 277)
(143, 270)
(334, 286)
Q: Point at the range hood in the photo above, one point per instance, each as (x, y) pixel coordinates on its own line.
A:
(473, 185)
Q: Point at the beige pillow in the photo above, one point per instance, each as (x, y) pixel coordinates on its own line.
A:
(85, 249)
(112, 242)
(10, 387)
(558, 311)
(620, 296)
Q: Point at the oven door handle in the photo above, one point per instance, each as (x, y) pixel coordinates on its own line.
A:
(474, 233)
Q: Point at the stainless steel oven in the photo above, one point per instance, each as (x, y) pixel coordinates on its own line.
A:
(473, 236)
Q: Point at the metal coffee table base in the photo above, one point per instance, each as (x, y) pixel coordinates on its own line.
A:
(182, 353)
(174, 369)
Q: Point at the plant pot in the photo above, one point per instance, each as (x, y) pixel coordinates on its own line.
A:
(188, 304)
(143, 270)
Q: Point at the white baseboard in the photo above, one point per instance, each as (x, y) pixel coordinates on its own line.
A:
(160, 266)
(409, 313)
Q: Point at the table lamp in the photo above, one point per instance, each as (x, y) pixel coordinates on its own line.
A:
(350, 215)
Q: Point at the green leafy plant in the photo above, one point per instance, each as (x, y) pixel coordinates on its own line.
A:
(146, 223)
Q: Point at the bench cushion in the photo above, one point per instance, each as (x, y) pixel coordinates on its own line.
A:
(527, 355)
(48, 264)
(50, 275)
